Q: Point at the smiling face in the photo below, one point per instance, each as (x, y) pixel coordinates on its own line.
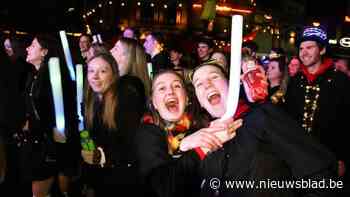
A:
(100, 75)
(293, 66)
(169, 96)
(84, 43)
(203, 51)
(211, 88)
(310, 53)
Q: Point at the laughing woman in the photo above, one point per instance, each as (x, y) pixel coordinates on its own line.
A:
(167, 143)
(113, 111)
(269, 145)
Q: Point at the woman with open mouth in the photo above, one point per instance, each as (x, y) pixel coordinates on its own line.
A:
(269, 145)
(168, 142)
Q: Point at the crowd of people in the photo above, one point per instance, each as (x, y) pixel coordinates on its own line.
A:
(153, 113)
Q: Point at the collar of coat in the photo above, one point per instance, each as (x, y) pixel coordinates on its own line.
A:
(311, 77)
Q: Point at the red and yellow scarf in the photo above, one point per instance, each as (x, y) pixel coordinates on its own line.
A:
(311, 77)
(176, 131)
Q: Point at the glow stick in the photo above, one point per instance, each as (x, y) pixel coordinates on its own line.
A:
(235, 72)
(80, 83)
(235, 66)
(94, 39)
(67, 54)
(99, 38)
(150, 70)
(56, 86)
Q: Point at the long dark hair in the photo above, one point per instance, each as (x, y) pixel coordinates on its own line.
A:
(53, 46)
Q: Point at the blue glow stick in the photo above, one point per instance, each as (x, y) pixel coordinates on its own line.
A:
(56, 85)
(67, 54)
(80, 83)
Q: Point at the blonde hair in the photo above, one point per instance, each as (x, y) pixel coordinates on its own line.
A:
(136, 61)
(109, 98)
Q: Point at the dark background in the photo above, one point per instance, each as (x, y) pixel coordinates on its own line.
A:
(52, 15)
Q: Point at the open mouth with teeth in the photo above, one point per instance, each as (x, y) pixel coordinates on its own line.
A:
(214, 98)
(172, 105)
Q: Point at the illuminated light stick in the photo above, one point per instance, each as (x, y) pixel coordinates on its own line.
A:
(235, 71)
(99, 39)
(56, 85)
(150, 70)
(235, 67)
(94, 39)
(67, 54)
(80, 84)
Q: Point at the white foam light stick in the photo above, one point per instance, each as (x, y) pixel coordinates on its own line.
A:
(67, 54)
(235, 67)
(235, 72)
(150, 70)
(56, 85)
(94, 39)
(80, 83)
(99, 39)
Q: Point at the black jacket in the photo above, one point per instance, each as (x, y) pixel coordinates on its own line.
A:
(12, 105)
(269, 145)
(160, 62)
(119, 172)
(40, 110)
(116, 143)
(162, 174)
(330, 119)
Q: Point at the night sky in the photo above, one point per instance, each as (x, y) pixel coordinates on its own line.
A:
(41, 15)
(52, 15)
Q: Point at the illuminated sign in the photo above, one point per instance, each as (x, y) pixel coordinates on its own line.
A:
(345, 42)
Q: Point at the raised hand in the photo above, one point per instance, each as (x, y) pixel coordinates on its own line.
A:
(255, 83)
